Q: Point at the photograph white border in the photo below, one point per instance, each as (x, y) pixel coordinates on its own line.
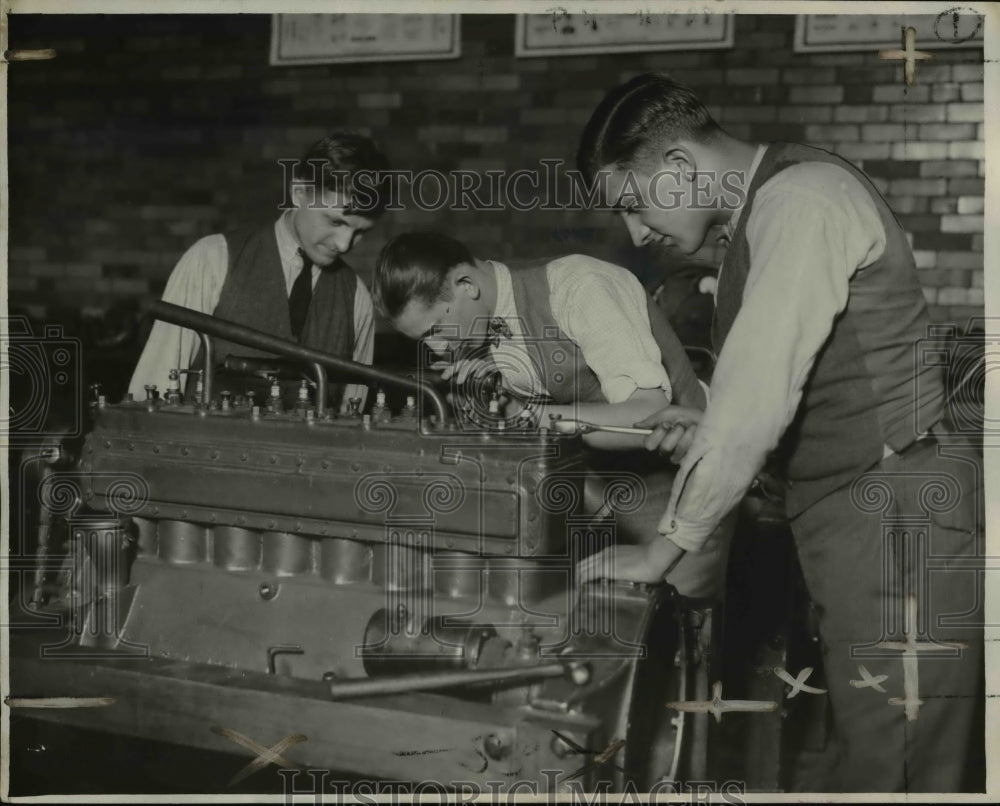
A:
(991, 256)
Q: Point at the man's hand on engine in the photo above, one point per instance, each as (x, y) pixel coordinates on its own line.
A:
(673, 431)
(648, 563)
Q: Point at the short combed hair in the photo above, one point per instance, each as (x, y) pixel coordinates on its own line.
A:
(637, 117)
(351, 163)
(415, 266)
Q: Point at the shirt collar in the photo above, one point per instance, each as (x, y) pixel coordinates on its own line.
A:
(505, 307)
(288, 247)
(735, 217)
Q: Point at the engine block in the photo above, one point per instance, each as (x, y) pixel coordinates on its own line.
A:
(313, 519)
(415, 580)
(397, 589)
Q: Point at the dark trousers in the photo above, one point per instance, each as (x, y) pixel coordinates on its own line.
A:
(912, 527)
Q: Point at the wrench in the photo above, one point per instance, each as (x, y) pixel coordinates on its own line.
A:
(561, 426)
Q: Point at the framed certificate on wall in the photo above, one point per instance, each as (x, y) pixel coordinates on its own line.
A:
(817, 33)
(326, 38)
(559, 34)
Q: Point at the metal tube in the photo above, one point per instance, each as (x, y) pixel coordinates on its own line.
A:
(208, 351)
(321, 387)
(50, 455)
(230, 331)
(42, 555)
(377, 686)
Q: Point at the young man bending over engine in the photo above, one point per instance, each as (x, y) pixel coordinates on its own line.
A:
(818, 314)
(285, 277)
(576, 332)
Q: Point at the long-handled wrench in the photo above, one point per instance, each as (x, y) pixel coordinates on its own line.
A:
(561, 426)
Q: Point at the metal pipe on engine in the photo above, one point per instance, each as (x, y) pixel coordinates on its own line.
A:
(207, 325)
(321, 387)
(208, 351)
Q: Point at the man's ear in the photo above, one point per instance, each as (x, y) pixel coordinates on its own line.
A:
(679, 159)
(304, 195)
(464, 281)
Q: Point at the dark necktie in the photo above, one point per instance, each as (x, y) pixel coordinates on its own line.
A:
(301, 296)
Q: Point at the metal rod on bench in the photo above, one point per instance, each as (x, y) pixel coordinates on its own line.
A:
(576, 671)
(230, 331)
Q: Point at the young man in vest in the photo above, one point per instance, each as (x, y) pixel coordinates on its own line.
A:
(577, 332)
(285, 277)
(818, 314)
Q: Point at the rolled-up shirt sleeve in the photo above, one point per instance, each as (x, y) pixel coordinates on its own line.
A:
(196, 283)
(808, 234)
(364, 342)
(602, 308)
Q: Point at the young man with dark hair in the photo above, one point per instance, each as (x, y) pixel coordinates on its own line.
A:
(286, 278)
(818, 314)
(576, 332)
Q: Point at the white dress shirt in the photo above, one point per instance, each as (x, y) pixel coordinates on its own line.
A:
(812, 226)
(196, 283)
(602, 309)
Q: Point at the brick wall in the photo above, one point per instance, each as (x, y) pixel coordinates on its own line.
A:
(147, 132)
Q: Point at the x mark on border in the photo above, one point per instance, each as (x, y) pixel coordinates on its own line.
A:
(594, 759)
(798, 683)
(265, 755)
(869, 681)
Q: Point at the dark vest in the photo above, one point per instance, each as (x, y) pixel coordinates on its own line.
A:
(563, 369)
(866, 389)
(254, 294)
